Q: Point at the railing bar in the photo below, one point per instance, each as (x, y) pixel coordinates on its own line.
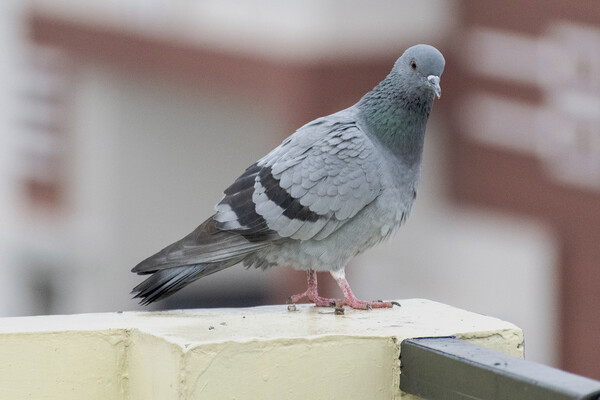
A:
(453, 369)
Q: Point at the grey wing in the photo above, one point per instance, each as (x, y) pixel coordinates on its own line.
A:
(309, 186)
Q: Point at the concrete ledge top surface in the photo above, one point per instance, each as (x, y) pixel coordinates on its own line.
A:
(249, 353)
(415, 318)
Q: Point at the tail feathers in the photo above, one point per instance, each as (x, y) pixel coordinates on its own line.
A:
(205, 245)
(205, 251)
(165, 282)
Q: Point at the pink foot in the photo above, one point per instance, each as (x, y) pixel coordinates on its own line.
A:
(312, 294)
(317, 300)
(365, 305)
(350, 300)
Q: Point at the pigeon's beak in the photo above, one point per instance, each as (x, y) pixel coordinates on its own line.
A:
(434, 81)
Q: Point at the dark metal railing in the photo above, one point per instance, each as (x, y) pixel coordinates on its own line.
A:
(452, 369)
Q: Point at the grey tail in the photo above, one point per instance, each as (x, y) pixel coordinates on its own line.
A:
(205, 251)
(165, 282)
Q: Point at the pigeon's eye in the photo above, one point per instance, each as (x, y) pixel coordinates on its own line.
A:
(413, 65)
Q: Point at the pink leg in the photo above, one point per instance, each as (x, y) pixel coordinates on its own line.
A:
(350, 299)
(312, 293)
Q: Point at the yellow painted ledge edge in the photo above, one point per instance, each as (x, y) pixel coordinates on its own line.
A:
(170, 355)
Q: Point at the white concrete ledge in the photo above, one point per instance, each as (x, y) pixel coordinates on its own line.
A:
(244, 353)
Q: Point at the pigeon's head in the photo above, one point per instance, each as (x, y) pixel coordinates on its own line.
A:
(421, 67)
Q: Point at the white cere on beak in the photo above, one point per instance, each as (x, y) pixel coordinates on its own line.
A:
(434, 81)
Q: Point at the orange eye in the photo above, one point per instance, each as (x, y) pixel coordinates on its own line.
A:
(413, 65)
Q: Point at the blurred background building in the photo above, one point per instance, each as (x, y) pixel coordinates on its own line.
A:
(121, 122)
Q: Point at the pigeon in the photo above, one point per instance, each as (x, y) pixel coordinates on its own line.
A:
(336, 187)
